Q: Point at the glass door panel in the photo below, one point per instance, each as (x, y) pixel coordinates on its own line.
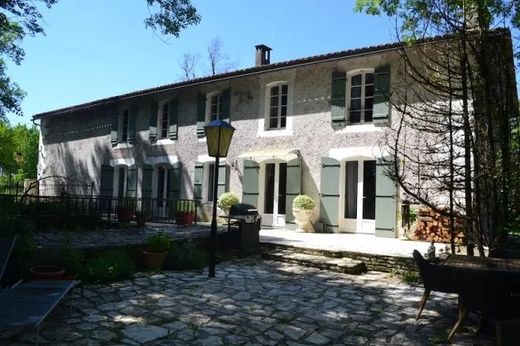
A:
(369, 190)
(351, 189)
(269, 188)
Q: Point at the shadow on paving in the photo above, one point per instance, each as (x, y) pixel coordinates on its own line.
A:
(254, 302)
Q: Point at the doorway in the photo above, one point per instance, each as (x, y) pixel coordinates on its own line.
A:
(274, 195)
(359, 196)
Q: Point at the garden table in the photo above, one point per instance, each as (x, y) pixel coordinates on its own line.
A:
(508, 268)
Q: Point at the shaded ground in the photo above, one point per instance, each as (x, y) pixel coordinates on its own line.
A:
(253, 302)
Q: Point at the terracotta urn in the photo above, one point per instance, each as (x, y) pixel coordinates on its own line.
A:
(154, 260)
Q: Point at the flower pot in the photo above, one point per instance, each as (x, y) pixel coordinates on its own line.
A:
(302, 217)
(187, 218)
(154, 260)
(47, 272)
(124, 215)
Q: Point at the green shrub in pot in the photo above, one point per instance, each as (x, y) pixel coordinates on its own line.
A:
(303, 202)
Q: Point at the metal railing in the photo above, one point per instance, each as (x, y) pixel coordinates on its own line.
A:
(107, 209)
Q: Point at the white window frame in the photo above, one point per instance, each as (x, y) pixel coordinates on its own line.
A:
(209, 96)
(160, 111)
(351, 74)
(121, 126)
(263, 125)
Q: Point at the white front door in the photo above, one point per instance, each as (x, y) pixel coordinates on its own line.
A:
(272, 187)
(357, 197)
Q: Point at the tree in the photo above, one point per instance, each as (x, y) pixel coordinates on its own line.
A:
(18, 142)
(188, 65)
(19, 18)
(218, 60)
(468, 99)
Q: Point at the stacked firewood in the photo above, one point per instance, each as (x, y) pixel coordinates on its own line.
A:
(431, 225)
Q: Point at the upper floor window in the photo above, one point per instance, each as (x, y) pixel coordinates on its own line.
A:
(214, 107)
(124, 125)
(361, 97)
(278, 106)
(164, 121)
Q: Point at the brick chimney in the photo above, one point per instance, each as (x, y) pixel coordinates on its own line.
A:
(263, 55)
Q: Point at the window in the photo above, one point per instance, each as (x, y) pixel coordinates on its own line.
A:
(214, 106)
(277, 109)
(124, 126)
(278, 106)
(361, 97)
(164, 121)
(120, 181)
(211, 181)
(162, 182)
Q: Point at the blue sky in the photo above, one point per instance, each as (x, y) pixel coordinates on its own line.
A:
(96, 48)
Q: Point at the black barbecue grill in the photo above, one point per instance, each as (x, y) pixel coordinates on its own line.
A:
(244, 236)
(244, 212)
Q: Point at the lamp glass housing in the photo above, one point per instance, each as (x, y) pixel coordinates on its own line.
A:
(218, 137)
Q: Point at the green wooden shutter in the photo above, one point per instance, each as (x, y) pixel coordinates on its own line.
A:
(386, 212)
(174, 181)
(132, 116)
(152, 133)
(201, 115)
(131, 182)
(106, 185)
(381, 95)
(225, 105)
(223, 179)
(147, 181)
(338, 92)
(250, 182)
(329, 187)
(113, 131)
(172, 131)
(198, 177)
(293, 187)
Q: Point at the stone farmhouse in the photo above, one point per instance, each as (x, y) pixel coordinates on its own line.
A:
(312, 126)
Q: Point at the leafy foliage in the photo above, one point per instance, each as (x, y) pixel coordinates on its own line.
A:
(185, 256)
(21, 17)
(15, 140)
(228, 199)
(159, 242)
(111, 266)
(172, 16)
(303, 202)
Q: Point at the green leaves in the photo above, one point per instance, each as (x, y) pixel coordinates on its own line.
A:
(21, 17)
(171, 16)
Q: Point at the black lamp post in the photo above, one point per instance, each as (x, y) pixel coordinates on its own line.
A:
(218, 138)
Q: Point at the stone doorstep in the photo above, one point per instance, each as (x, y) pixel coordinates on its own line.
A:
(342, 265)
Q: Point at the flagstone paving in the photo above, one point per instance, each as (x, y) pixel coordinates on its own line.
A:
(252, 302)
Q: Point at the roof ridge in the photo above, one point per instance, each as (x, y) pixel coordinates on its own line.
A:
(253, 70)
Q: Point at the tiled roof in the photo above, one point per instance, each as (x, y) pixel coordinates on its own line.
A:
(245, 72)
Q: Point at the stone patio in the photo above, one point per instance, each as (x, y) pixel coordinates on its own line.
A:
(252, 302)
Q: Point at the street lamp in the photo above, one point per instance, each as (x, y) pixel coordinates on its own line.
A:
(218, 138)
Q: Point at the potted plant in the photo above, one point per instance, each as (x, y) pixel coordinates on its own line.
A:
(155, 254)
(71, 260)
(302, 207)
(125, 210)
(141, 218)
(227, 200)
(185, 212)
